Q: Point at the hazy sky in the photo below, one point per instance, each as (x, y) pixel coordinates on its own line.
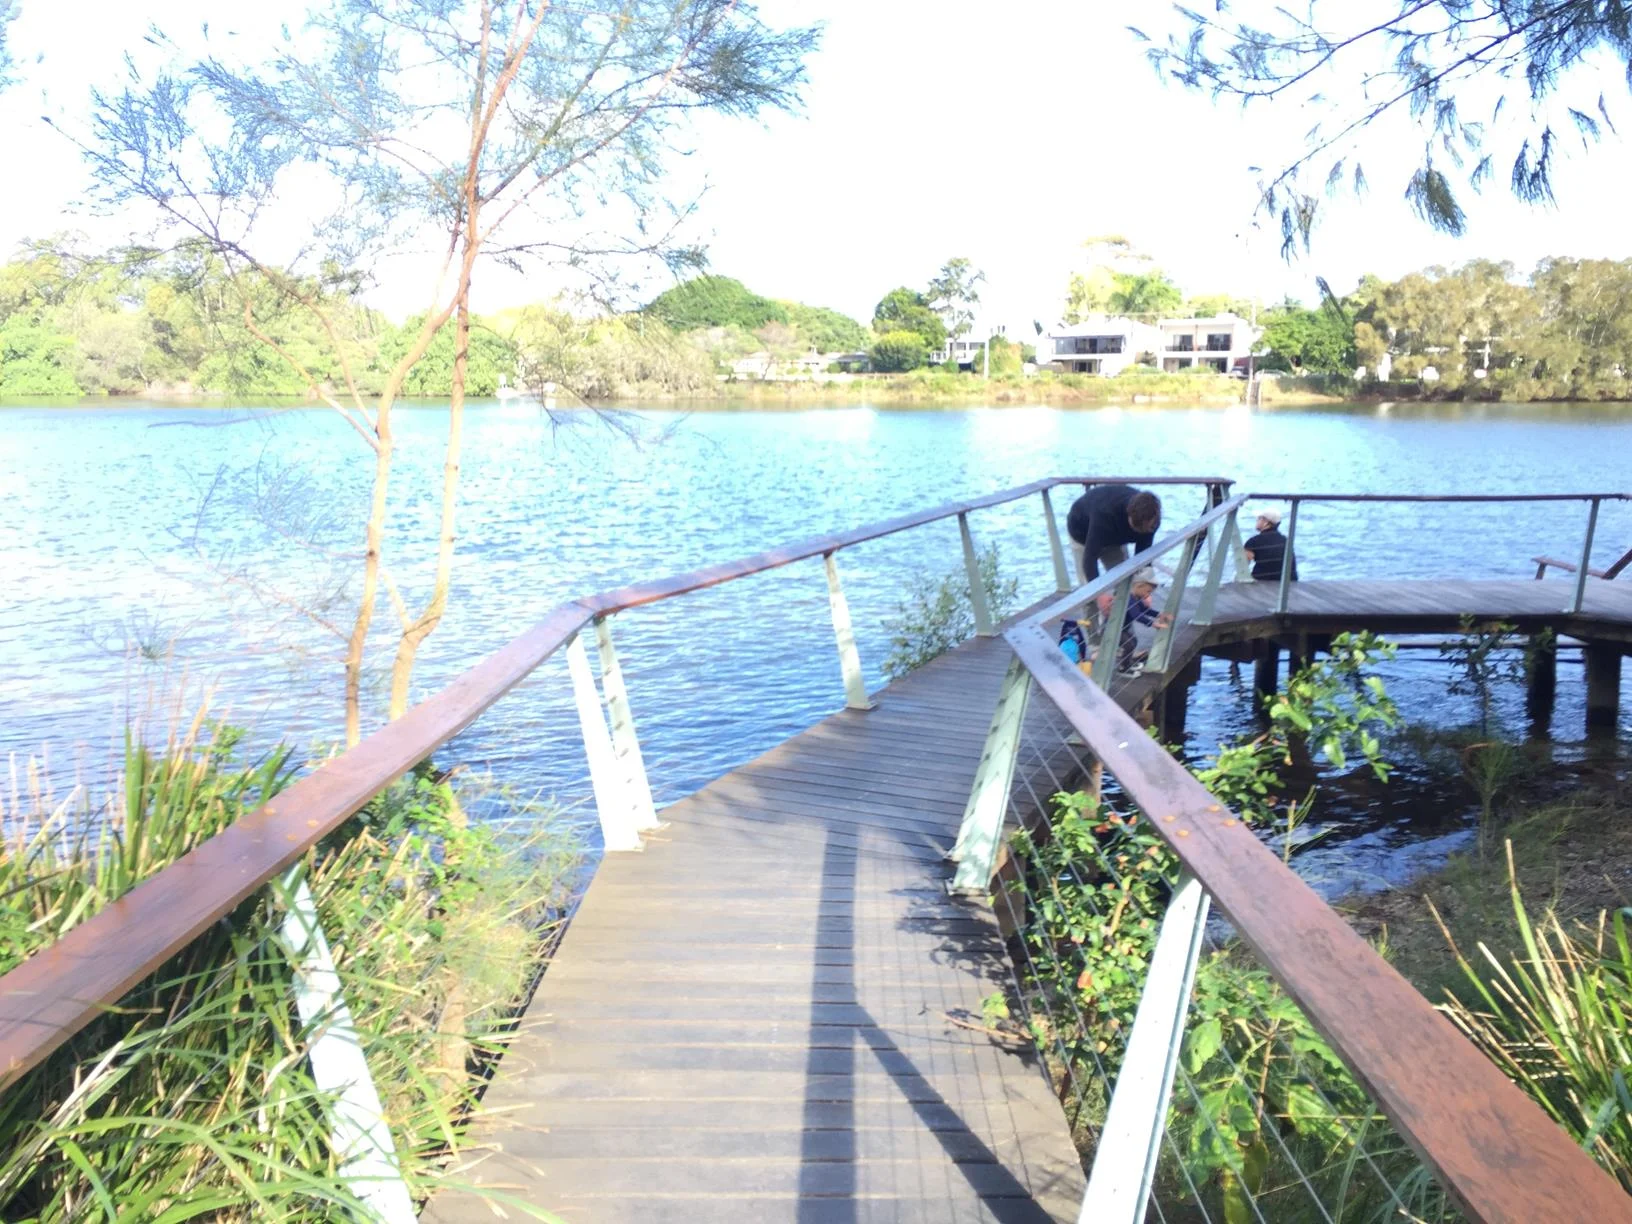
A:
(1006, 133)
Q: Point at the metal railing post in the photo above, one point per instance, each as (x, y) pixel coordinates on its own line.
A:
(1221, 542)
(855, 685)
(1162, 647)
(1130, 1142)
(1287, 561)
(977, 588)
(982, 829)
(1062, 571)
(1110, 637)
(360, 1135)
(1237, 544)
(625, 743)
(612, 801)
(1586, 560)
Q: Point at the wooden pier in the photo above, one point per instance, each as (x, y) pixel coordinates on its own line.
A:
(771, 1008)
(774, 1012)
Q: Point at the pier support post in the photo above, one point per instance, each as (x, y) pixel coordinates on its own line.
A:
(1173, 705)
(1541, 679)
(1266, 667)
(1603, 666)
(1297, 655)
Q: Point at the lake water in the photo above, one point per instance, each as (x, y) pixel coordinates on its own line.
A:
(155, 548)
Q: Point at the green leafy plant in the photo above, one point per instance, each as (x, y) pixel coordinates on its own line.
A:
(1555, 1020)
(939, 614)
(193, 1098)
(1485, 656)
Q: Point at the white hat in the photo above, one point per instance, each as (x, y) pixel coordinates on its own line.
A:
(1270, 515)
(1146, 575)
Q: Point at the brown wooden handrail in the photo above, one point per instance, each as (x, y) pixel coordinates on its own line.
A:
(1543, 564)
(1439, 497)
(57, 991)
(1493, 1149)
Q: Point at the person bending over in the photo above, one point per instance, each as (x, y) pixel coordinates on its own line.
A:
(1107, 518)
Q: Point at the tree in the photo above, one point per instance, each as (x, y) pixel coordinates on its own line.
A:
(8, 10)
(908, 310)
(1309, 341)
(1006, 357)
(476, 130)
(714, 301)
(1485, 83)
(898, 351)
(954, 293)
(1089, 292)
(825, 330)
(1143, 294)
(35, 359)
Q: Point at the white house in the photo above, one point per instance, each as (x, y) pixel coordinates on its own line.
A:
(965, 350)
(1224, 342)
(1101, 344)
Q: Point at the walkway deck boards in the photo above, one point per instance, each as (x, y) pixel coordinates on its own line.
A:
(753, 1019)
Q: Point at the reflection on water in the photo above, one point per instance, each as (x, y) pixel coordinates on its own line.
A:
(151, 543)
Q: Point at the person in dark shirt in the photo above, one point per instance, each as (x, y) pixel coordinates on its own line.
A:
(1107, 518)
(1267, 549)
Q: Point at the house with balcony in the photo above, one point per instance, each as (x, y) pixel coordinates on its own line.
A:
(1101, 344)
(1224, 342)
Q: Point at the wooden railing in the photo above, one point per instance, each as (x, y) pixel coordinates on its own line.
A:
(60, 989)
(1490, 1146)
(1494, 1151)
(1581, 570)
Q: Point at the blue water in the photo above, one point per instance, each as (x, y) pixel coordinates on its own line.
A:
(154, 550)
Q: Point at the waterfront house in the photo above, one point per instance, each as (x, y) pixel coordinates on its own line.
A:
(1224, 342)
(1100, 344)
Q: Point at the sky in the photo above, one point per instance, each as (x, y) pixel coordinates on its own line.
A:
(1005, 134)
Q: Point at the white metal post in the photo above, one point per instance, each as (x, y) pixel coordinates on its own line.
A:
(977, 588)
(361, 1137)
(1131, 1140)
(1062, 571)
(1288, 561)
(1237, 543)
(1110, 636)
(855, 685)
(1223, 537)
(1162, 648)
(626, 753)
(1586, 560)
(982, 828)
(611, 797)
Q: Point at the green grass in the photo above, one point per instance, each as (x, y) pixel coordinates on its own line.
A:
(192, 1098)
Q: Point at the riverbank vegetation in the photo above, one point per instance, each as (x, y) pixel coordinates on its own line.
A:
(194, 1098)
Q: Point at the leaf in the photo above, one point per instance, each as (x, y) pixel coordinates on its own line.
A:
(1205, 1040)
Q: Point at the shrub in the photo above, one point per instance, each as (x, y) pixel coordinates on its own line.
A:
(938, 615)
(194, 1098)
(898, 351)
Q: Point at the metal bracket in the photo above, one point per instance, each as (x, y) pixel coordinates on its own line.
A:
(360, 1135)
(855, 684)
(1062, 572)
(612, 799)
(977, 588)
(982, 829)
(625, 743)
(1130, 1143)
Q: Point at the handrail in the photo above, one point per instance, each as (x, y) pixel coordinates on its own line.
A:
(57, 991)
(634, 596)
(1439, 497)
(1493, 1149)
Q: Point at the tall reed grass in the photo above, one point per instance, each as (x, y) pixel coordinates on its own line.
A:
(193, 1097)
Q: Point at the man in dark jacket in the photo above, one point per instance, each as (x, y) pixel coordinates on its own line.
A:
(1107, 518)
(1267, 549)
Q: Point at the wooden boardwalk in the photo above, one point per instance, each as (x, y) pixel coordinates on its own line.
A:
(757, 1019)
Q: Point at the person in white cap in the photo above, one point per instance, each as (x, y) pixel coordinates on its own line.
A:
(1267, 549)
